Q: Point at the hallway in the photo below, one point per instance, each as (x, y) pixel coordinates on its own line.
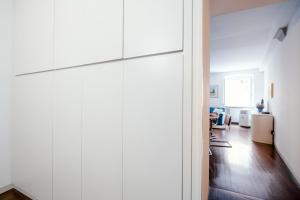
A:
(248, 170)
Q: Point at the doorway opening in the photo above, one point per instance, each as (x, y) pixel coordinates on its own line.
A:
(244, 159)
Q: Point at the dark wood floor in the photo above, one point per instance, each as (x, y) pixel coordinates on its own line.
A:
(249, 169)
(13, 195)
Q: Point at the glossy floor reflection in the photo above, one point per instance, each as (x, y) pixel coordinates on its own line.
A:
(250, 168)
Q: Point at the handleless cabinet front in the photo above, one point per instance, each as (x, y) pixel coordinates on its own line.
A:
(152, 27)
(67, 133)
(32, 135)
(87, 31)
(102, 132)
(33, 36)
(153, 128)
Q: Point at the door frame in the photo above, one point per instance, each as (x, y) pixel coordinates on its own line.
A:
(200, 99)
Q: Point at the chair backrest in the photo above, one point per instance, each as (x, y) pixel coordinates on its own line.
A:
(228, 120)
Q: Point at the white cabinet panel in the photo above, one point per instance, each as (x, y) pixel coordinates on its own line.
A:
(87, 31)
(32, 135)
(153, 128)
(102, 132)
(152, 26)
(67, 129)
(33, 35)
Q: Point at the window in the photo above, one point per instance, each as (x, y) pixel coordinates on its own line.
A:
(238, 91)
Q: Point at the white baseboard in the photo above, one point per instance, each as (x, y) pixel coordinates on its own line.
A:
(23, 192)
(5, 188)
(11, 186)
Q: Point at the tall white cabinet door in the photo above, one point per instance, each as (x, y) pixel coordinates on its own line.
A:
(67, 129)
(87, 31)
(33, 35)
(32, 135)
(153, 128)
(152, 26)
(102, 132)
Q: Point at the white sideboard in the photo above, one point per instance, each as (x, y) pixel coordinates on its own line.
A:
(262, 128)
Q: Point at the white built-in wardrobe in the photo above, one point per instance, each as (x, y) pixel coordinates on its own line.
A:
(102, 99)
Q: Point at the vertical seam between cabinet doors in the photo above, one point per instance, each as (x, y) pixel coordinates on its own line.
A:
(83, 122)
(182, 122)
(191, 42)
(192, 97)
(122, 126)
(53, 35)
(123, 30)
(53, 88)
(82, 76)
(183, 24)
(182, 100)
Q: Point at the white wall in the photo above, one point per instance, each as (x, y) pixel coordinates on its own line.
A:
(284, 71)
(5, 85)
(219, 79)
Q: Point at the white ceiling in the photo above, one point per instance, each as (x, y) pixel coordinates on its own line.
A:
(240, 40)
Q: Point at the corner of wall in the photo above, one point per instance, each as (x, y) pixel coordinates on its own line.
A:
(6, 23)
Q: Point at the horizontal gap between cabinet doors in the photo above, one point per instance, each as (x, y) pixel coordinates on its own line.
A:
(108, 61)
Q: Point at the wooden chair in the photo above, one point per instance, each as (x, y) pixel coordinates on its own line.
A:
(228, 121)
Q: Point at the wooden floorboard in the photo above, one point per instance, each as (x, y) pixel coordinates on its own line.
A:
(249, 168)
(219, 194)
(13, 194)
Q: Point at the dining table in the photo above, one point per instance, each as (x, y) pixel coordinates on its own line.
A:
(212, 117)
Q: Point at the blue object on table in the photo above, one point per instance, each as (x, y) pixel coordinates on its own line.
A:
(221, 119)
